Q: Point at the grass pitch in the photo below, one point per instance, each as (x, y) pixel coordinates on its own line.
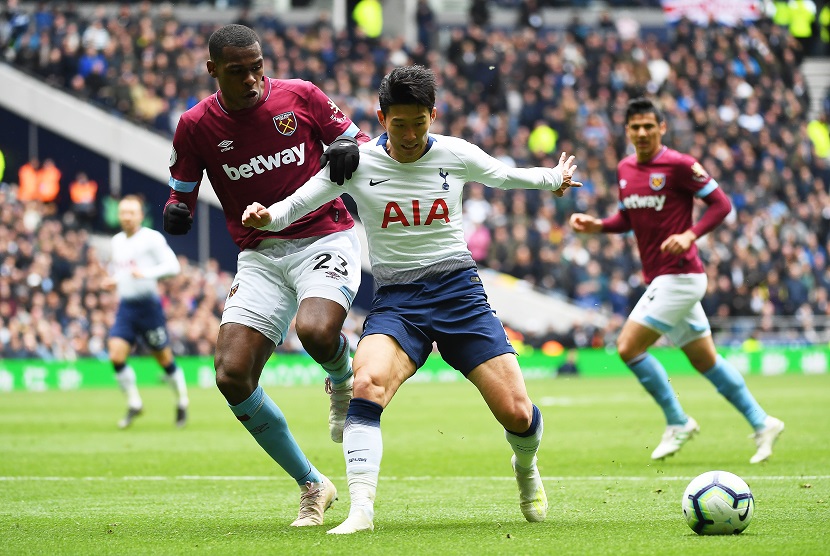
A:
(72, 483)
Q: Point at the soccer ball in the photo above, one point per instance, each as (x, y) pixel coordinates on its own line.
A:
(718, 503)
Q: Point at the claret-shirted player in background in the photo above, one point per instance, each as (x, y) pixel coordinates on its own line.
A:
(657, 190)
(409, 192)
(140, 257)
(261, 138)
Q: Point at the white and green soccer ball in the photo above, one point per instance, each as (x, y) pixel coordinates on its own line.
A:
(718, 503)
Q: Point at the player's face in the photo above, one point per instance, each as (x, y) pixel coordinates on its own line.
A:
(646, 134)
(130, 215)
(407, 126)
(239, 73)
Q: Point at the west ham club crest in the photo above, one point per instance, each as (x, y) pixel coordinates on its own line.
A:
(286, 123)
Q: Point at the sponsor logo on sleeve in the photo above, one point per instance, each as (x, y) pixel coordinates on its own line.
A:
(698, 173)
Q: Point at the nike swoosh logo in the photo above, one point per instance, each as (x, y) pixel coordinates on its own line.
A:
(360, 450)
(373, 183)
(742, 517)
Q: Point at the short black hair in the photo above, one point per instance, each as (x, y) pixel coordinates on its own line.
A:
(642, 105)
(408, 85)
(230, 35)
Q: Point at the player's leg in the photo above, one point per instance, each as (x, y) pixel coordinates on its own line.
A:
(174, 375)
(472, 339)
(241, 354)
(632, 345)
(381, 366)
(153, 329)
(256, 316)
(501, 385)
(665, 303)
(319, 321)
(326, 276)
(119, 350)
(119, 345)
(732, 386)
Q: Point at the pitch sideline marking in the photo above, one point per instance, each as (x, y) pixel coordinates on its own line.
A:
(409, 478)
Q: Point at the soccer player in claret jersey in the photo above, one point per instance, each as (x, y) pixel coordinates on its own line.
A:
(140, 257)
(657, 189)
(261, 138)
(408, 190)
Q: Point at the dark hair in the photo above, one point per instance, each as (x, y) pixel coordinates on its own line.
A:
(230, 35)
(407, 85)
(642, 105)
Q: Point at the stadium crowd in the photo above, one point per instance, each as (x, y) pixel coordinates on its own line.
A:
(734, 97)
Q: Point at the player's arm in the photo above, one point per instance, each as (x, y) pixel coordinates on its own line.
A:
(311, 195)
(338, 132)
(719, 207)
(185, 176)
(587, 224)
(167, 264)
(556, 179)
(490, 171)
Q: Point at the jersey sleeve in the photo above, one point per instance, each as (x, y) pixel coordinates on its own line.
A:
(311, 195)
(490, 171)
(166, 262)
(696, 178)
(331, 120)
(186, 167)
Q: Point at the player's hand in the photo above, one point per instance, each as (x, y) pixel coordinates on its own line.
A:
(256, 216)
(567, 167)
(677, 244)
(177, 219)
(585, 223)
(342, 157)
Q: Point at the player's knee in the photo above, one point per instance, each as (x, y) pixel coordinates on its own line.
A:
(320, 338)
(626, 349)
(519, 418)
(232, 381)
(368, 387)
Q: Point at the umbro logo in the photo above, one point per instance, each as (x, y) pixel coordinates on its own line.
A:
(225, 145)
(373, 183)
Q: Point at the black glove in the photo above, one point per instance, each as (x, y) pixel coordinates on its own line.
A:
(344, 156)
(177, 219)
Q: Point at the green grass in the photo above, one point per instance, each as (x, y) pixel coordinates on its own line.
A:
(71, 483)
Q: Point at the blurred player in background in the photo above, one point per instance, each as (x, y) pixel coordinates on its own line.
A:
(261, 138)
(409, 189)
(140, 257)
(657, 189)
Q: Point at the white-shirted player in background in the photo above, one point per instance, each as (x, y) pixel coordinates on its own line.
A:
(140, 257)
(408, 189)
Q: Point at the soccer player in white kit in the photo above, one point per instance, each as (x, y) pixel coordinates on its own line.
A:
(258, 138)
(657, 189)
(408, 189)
(140, 257)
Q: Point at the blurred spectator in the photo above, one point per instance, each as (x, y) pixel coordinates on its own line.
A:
(82, 193)
(49, 182)
(27, 176)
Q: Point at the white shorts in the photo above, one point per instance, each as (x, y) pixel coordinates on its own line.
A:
(671, 306)
(273, 278)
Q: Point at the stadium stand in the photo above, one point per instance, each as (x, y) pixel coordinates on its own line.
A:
(736, 99)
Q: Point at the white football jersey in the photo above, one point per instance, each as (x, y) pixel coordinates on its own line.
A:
(146, 251)
(412, 211)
